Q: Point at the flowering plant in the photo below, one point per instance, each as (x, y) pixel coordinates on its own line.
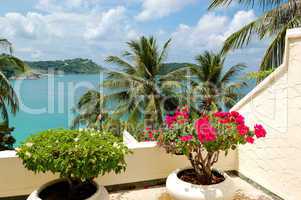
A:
(79, 156)
(203, 139)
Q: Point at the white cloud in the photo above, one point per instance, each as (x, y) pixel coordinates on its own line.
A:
(67, 34)
(105, 24)
(153, 9)
(37, 26)
(240, 19)
(210, 31)
(78, 28)
(209, 34)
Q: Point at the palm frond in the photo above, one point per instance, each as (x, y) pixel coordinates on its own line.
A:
(3, 111)
(264, 4)
(163, 53)
(241, 37)
(232, 72)
(7, 45)
(122, 63)
(273, 56)
(8, 94)
(259, 75)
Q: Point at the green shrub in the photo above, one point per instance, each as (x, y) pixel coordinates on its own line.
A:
(76, 155)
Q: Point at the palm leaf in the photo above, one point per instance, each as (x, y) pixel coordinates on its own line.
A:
(232, 72)
(273, 56)
(6, 44)
(264, 4)
(241, 37)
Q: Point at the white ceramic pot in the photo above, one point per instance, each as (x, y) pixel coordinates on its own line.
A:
(101, 192)
(181, 190)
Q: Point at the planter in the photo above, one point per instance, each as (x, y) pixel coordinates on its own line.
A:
(101, 192)
(181, 190)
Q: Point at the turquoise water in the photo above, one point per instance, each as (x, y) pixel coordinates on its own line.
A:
(48, 102)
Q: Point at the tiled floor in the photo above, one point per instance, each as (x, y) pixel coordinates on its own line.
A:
(245, 192)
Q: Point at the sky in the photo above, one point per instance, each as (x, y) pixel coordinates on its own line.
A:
(95, 29)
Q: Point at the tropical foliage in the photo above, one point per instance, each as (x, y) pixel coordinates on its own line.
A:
(78, 156)
(134, 87)
(278, 16)
(8, 97)
(213, 85)
(89, 113)
(259, 75)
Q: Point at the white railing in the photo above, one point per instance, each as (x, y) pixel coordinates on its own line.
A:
(148, 162)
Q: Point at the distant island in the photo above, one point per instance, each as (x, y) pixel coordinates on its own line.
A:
(68, 66)
(38, 69)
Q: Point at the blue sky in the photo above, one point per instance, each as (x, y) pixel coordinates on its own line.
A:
(60, 29)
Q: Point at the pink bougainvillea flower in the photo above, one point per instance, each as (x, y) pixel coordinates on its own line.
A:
(242, 129)
(239, 119)
(209, 137)
(181, 116)
(204, 130)
(169, 120)
(259, 131)
(224, 121)
(186, 138)
(250, 140)
(221, 114)
(201, 138)
(234, 114)
(150, 136)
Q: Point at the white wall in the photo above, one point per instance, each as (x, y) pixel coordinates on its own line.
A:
(275, 162)
(147, 162)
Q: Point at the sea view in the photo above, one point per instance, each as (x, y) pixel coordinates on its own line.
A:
(52, 101)
(150, 99)
(47, 103)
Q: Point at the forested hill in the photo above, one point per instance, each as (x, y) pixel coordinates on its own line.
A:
(172, 66)
(69, 66)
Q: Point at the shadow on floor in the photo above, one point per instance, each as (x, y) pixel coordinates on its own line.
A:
(14, 198)
(238, 196)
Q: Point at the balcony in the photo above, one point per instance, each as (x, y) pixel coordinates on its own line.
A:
(270, 169)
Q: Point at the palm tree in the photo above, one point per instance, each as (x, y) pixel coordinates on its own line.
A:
(213, 86)
(134, 88)
(8, 97)
(278, 16)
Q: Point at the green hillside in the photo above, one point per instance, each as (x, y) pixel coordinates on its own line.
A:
(69, 66)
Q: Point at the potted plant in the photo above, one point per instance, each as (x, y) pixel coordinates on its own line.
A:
(202, 140)
(78, 156)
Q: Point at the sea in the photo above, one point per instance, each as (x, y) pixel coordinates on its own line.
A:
(49, 102)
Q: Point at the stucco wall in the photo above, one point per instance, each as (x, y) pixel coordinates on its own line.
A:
(148, 162)
(275, 162)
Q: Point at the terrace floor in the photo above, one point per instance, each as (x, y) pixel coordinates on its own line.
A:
(246, 191)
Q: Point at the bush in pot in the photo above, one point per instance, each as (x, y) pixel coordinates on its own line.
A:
(78, 156)
(202, 140)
